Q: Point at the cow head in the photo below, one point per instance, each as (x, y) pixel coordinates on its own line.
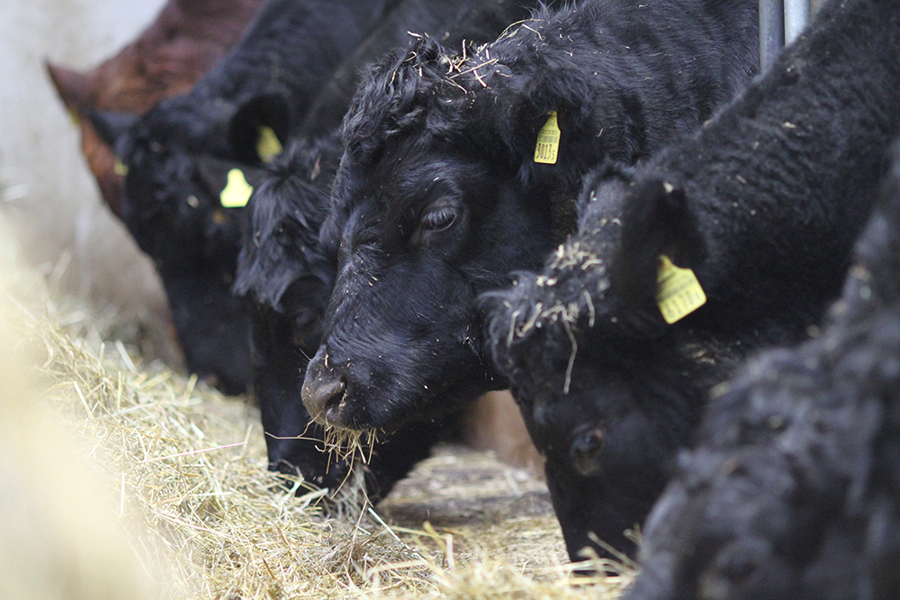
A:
(287, 278)
(172, 207)
(607, 389)
(437, 199)
(795, 458)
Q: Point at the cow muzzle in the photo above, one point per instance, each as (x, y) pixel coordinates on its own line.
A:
(324, 393)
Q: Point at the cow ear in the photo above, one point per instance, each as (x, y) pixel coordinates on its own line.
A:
(71, 87)
(111, 125)
(259, 128)
(656, 221)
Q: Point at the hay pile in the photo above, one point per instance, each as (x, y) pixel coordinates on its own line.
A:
(184, 473)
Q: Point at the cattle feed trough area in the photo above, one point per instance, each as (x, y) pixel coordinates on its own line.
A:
(482, 299)
(181, 470)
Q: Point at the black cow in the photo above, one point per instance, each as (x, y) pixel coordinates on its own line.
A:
(762, 204)
(439, 196)
(793, 489)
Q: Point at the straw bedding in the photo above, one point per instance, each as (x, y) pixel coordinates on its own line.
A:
(182, 473)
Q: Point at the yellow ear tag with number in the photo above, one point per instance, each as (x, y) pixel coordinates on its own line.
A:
(120, 168)
(678, 293)
(267, 144)
(547, 147)
(237, 192)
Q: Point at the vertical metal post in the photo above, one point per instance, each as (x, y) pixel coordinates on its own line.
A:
(771, 31)
(796, 15)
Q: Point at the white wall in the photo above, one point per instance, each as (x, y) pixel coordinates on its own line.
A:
(47, 189)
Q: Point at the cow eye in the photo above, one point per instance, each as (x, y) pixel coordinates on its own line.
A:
(587, 446)
(439, 219)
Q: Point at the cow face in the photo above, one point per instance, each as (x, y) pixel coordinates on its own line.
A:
(423, 234)
(172, 209)
(428, 212)
(607, 414)
(287, 280)
(606, 453)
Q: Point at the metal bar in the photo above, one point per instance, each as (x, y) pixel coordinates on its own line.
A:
(796, 16)
(771, 31)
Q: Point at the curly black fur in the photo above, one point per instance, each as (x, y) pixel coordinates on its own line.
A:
(792, 491)
(763, 204)
(281, 245)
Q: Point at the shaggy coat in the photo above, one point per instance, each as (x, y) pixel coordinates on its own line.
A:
(438, 196)
(281, 265)
(792, 491)
(763, 204)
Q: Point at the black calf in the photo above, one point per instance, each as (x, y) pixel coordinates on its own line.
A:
(763, 204)
(439, 196)
(285, 272)
(793, 489)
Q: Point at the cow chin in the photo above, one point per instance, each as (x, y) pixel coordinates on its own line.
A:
(213, 327)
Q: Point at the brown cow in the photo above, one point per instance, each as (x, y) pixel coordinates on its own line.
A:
(187, 38)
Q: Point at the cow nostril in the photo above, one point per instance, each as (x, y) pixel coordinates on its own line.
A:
(323, 398)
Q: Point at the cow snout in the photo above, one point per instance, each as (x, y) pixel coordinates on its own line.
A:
(323, 394)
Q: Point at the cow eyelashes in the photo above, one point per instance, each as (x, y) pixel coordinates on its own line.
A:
(439, 219)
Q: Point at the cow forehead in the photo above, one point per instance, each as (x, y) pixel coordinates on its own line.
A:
(400, 185)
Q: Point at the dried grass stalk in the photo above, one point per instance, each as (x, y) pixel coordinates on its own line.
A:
(186, 470)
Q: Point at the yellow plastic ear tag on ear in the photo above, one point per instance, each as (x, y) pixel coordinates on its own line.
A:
(678, 293)
(237, 192)
(547, 147)
(120, 168)
(267, 144)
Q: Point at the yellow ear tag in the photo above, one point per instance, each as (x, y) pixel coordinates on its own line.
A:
(678, 293)
(73, 116)
(267, 145)
(120, 168)
(548, 141)
(237, 192)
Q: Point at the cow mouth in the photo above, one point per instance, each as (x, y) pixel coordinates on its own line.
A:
(349, 445)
